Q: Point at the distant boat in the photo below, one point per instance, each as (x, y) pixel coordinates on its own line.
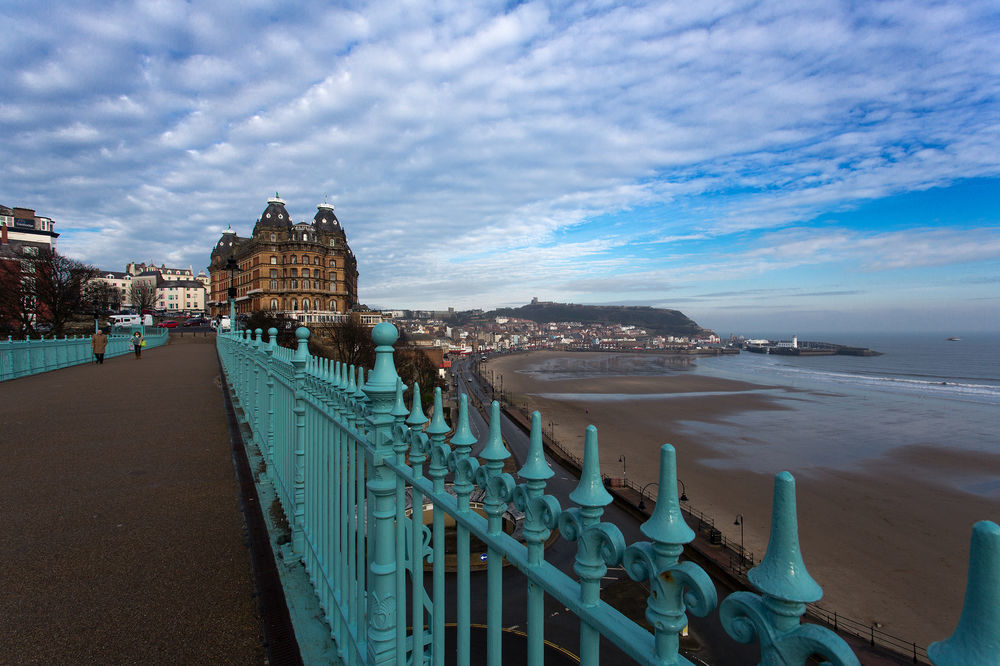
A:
(954, 339)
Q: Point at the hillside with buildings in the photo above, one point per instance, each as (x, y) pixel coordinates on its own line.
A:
(655, 321)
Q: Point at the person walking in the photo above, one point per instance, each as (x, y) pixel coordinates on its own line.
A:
(99, 342)
(137, 344)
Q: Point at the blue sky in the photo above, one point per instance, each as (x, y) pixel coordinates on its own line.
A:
(820, 166)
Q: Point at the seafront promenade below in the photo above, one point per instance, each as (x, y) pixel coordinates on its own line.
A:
(123, 536)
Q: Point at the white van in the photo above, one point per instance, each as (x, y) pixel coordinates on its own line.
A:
(125, 320)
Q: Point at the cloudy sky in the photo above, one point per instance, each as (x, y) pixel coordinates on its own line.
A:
(764, 166)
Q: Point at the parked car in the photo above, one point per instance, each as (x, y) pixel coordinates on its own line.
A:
(43, 327)
(196, 321)
(126, 320)
(170, 323)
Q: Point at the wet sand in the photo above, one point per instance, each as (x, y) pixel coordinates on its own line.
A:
(887, 543)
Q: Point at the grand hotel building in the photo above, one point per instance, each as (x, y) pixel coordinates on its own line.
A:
(304, 270)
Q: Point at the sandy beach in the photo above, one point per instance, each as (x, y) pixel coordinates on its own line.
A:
(886, 542)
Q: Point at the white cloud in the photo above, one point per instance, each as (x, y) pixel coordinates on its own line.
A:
(451, 132)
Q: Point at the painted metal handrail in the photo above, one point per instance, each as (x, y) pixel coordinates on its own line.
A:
(344, 453)
(21, 358)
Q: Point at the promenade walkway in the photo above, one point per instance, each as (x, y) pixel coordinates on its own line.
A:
(123, 540)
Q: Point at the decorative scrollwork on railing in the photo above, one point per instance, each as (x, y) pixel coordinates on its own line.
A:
(675, 587)
(785, 588)
(598, 544)
(460, 463)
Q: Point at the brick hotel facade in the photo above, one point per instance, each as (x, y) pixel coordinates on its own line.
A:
(304, 270)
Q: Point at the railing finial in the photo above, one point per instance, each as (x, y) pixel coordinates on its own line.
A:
(416, 417)
(667, 524)
(463, 438)
(495, 451)
(782, 573)
(590, 492)
(383, 377)
(302, 346)
(535, 468)
(438, 426)
(976, 639)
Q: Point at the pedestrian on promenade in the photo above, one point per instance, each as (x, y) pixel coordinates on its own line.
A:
(99, 343)
(137, 344)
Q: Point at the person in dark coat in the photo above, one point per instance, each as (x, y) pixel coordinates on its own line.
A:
(137, 343)
(99, 342)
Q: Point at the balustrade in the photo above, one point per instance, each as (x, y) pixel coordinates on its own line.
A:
(20, 358)
(344, 453)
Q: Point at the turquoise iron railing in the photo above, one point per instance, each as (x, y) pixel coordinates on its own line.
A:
(346, 456)
(20, 358)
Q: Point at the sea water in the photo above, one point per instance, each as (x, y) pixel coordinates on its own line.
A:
(847, 412)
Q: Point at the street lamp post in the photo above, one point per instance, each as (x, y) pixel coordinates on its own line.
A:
(233, 269)
(97, 321)
(552, 431)
(684, 492)
(621, 459)
(642, 494)
(739, 521)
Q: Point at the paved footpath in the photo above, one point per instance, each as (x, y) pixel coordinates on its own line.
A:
(122, 538)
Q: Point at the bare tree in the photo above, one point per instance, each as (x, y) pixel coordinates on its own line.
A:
(100, 295)
(17, 296)
(58, 286)
(413, 365)
(142, 295)
(350, 343)
(268, 319)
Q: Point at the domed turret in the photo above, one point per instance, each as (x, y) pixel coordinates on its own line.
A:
(226, 245)
(275, 216)
(325, 219)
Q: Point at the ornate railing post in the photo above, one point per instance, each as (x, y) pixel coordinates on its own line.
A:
(440, 453)
(418, 456)
(976, 639)
(380, 390)
(541, 515)
(464, 468)
(299, 453)
(785, 588)
(499, 488)
(598, 544)
(272, 344)
(672, 584)
(257, 435)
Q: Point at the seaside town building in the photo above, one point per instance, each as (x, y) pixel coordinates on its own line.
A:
(303, 270)
(177, 289)
(23, 234)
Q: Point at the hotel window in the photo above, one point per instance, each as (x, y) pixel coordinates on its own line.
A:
(333, 263)
(294, 259)
(316, 261)
(315, 284)
(274, 260)
(295, 272)
(295, 304)
(274, 284)
(274, 237)
(274, 272)
(305, 303)
(295, 284)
